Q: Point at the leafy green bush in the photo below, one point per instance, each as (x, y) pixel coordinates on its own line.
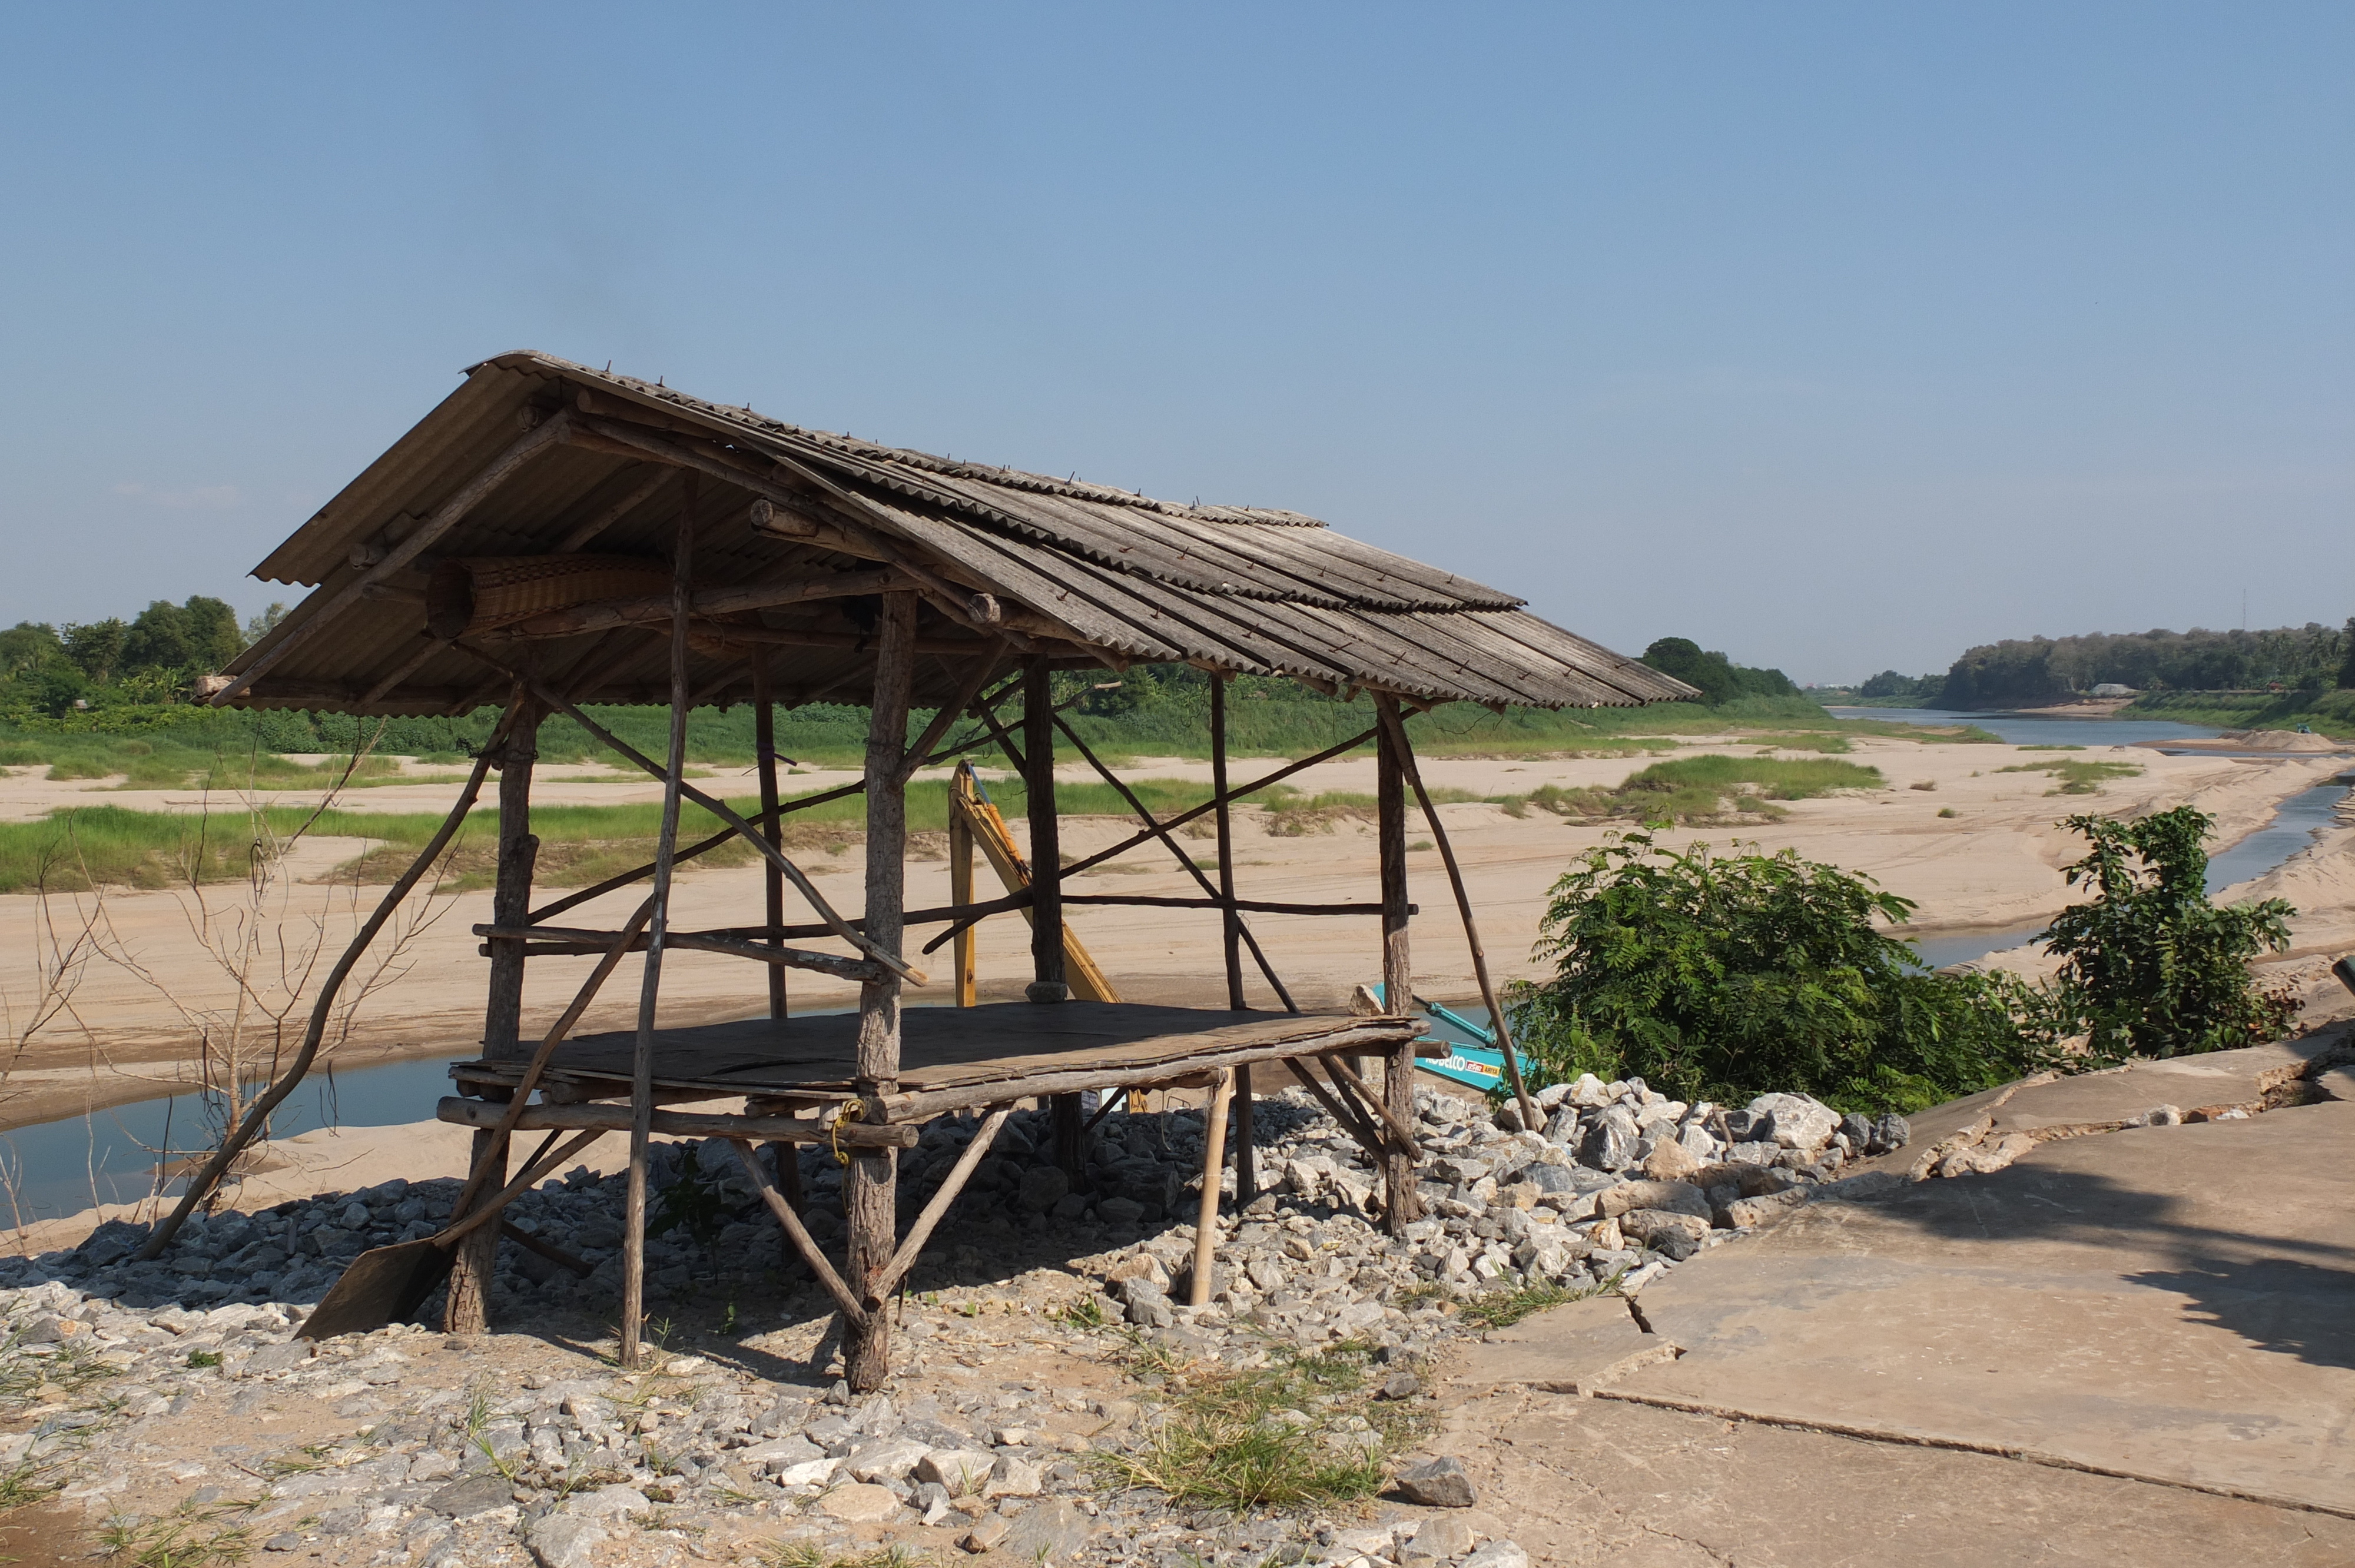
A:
(1725, 977)
(2150, 967)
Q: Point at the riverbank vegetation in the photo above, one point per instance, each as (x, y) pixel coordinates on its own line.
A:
(1722, 978)
(2281, 671)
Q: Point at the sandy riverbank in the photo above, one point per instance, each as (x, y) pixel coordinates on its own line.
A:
(148, 985)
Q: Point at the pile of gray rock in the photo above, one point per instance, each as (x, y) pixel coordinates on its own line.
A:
(112, 1354)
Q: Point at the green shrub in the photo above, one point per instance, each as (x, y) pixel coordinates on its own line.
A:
(1725, 977)
(2150, 967)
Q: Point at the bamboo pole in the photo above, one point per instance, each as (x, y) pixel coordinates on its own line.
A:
(926, 1223)
(1214, 1163)
(642, 1060)
(257, 1117)
(1385, 707)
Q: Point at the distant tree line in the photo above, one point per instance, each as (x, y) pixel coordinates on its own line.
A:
(154, 657)
(2022, 671)
(1720, 679)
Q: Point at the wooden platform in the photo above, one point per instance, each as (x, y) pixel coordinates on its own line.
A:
(951, 1058)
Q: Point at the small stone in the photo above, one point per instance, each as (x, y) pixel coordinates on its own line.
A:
(2159, 1116)
(1793, 1121)
(607, 1502)
(888, 1460)
(1889, 1131)
(1052, 1532)
(860, 1502)
(1677, 1197)
(291, 1540)
(1399, 1385)
(1012, 1477)
(1611, 1141)
(986, 1534)
(475, 1494)
(1669, 1160)
(963, 1471)
(1043, 1187)
(1498, 1554)
(1440, 1538)
(1437, 1483)
(564, 1541)
(1748, 1213)
(1678, 1235)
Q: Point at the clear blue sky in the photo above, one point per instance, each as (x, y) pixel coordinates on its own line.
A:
(1834, 335)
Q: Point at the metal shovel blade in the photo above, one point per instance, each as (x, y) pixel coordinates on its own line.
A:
(382, 1285)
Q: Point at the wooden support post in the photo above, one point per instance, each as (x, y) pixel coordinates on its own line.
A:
(1047, 982)
(466, 1310)
(1246, 1159)
(642, 1064)
(1401, 1202)
(1230, 923)
(869, 1198)
(772, 881)
(961, 892)
(1069, 1121)
(1394, 729)
(1214, 1163)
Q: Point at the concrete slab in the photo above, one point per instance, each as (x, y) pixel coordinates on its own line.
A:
(2216, 1081)
(1580, 1482)
(2170, 1303)
(1575, 1349)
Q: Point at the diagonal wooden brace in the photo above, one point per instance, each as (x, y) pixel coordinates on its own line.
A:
(750, 834)
(1351, 1122)
(852, 1311)
(922, 1231)
(1340, 1069)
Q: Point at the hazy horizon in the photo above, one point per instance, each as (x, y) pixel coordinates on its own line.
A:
(1838, 339)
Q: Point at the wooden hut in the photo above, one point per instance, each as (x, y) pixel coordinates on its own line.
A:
(552, 536)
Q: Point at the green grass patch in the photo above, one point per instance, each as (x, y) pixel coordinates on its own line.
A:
(2075, 777)
(1700, 788)
(1304, 1431)
(2331, 713)
(71, 851)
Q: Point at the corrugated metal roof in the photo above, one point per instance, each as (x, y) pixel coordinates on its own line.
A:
(1256, 590)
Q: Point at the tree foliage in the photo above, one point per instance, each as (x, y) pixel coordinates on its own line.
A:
(1717, 678)
(2150, 967)
(1722, 977)
(2025, 671)
(151, 657)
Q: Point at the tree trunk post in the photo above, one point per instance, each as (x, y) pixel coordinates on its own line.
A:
(1230, 924)
(869, 1197)
(642, 1067)
(1401, 1203)
(466, 1311)
(772, 827)
(1046, 981)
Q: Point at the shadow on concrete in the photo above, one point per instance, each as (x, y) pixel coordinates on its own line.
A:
(2267, 1262)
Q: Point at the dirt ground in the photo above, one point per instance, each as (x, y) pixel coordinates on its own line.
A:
(148, 986)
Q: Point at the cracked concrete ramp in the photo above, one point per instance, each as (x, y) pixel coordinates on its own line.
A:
(2175, 1304)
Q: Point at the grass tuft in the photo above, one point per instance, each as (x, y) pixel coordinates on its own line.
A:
(191, 1536)
(2076, 778)
(1302, 1431)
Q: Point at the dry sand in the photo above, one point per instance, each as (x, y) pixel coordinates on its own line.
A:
(1994, 864)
